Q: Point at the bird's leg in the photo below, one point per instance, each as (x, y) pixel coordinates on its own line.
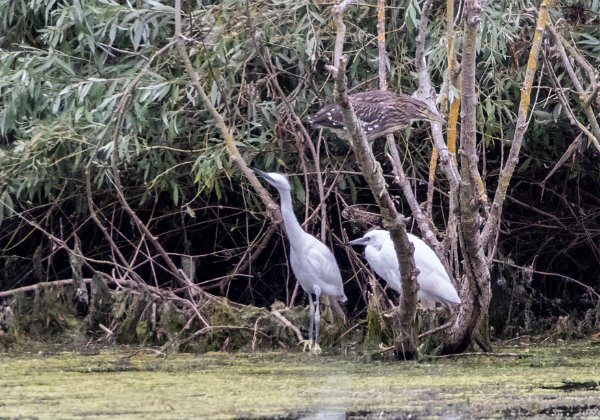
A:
(309, 343)
(317, 314)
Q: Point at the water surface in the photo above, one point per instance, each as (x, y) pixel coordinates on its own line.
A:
(560, 379)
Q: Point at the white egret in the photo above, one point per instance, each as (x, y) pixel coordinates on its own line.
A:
(434, 283)
(312, 262)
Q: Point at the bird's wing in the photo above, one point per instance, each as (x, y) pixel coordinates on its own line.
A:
(367, 106)
(385, 263)
(371, 106)
(432, 278)
(329, 116)
(315, 264)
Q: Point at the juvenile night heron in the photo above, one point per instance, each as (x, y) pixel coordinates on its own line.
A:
(434, 283)
(312, 262)
(378, 112)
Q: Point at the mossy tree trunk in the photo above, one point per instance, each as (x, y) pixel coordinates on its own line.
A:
(478, 240)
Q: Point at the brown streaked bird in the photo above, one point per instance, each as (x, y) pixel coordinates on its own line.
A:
(378, 112)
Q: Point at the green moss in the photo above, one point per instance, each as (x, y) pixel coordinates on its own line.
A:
(134, 383)
(100, 308)
(45, 315)
(374, 333)
(129, 310)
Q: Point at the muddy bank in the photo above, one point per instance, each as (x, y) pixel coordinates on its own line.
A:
(561, 379)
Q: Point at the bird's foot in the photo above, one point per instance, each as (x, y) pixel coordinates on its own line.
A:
(316, 349)
(308, 345)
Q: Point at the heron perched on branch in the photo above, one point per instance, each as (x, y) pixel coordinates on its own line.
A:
(379, 113)
(312, 262)
(434, 282)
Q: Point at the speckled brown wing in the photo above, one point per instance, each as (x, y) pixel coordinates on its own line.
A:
(378, 113)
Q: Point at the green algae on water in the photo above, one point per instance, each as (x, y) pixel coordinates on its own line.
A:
(135, 383)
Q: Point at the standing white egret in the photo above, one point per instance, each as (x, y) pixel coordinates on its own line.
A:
(434, 283)
(312, 262)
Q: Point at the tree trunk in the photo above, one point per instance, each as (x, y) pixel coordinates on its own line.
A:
(406, 341)
(475, 287)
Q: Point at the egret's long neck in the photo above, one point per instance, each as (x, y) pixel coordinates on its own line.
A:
(292, 227)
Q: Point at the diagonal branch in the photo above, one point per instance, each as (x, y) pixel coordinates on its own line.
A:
(491, 225)
(579, 58)
(567, 107)
(584, 96)
(446, 158)
(427, 94)
(234, 153)
(393, 221)
(400, 177)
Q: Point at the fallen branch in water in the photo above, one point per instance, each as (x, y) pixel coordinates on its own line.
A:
(33, 287)
(447, 356)
(490, 354)
(66, 282)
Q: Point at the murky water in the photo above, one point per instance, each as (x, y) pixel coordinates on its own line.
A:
(559, 380)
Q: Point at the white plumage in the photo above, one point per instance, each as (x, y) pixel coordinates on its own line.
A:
(312, 262)
(434, 282)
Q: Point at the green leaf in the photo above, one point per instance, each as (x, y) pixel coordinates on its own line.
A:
(298, 189)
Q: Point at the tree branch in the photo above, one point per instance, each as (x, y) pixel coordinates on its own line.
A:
(234, 153)
(491, 225)
(427, 94)
(392, 220)
(584, 96)
(447, 161)
(475, 289)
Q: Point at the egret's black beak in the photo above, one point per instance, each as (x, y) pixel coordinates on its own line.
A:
(263, 174)
(258, 171)
(359, 241)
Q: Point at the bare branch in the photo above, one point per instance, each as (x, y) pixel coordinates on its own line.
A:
(506, 173)
(568, 153)
(447, 161)
(435, 330)
(393, 221)
(584, 96)
(340, 27)
(567, 107)
(234, 153)
(475, 289)
(427, 94)
(381, 49)
(580, 59)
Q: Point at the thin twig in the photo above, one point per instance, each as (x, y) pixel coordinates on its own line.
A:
(507, 171)
(589, 289)
(571, 150)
